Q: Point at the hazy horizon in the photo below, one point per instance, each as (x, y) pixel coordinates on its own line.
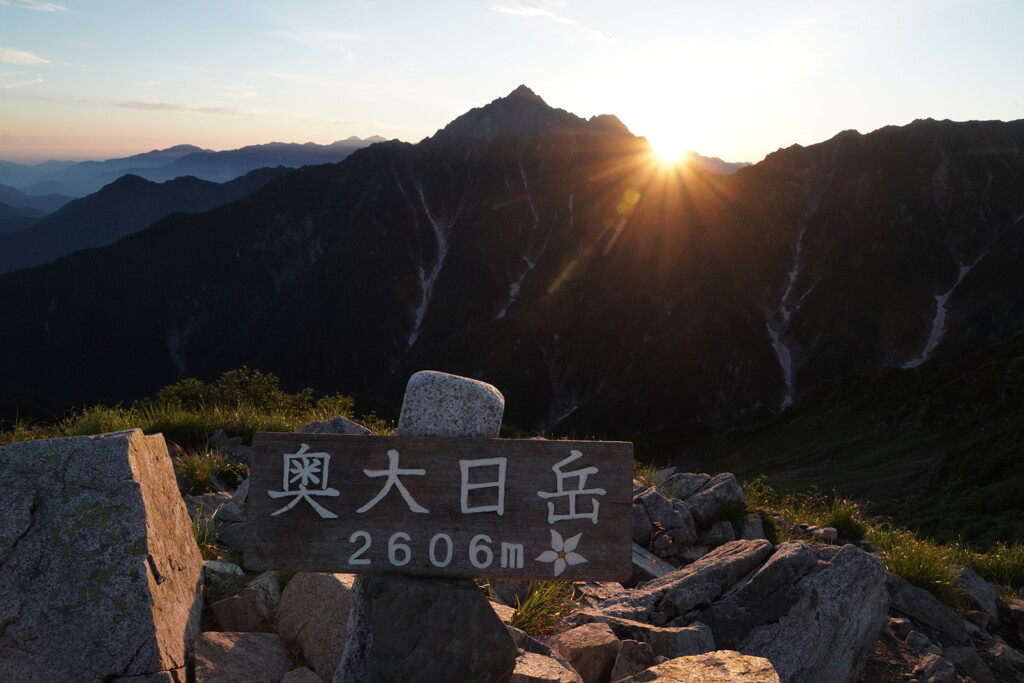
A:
(94, 81)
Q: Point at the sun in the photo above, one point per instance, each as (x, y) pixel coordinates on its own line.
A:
(669, 147)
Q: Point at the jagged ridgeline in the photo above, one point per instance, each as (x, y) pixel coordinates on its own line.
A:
(551, 256)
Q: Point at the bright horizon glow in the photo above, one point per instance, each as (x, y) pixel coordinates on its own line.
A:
(87, 80)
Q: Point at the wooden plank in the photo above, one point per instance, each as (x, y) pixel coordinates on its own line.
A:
(441, 507)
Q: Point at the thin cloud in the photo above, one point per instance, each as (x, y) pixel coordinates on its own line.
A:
(171, 106)
(18, 84)
(239, 90)
(12, 56)
(36, 5)
(530, 9)
(335, 42)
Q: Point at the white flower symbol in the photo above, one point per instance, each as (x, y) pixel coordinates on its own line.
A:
(562, 552)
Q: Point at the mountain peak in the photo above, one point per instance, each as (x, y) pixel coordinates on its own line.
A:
(523, 114)
(523, 92)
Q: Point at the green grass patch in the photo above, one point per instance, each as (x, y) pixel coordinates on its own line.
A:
(200, 468)
(241, 402)
(923, 562)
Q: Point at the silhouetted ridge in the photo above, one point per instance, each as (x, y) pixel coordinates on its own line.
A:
(520, 114)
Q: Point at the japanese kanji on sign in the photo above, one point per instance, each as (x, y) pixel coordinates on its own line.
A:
(441, 507)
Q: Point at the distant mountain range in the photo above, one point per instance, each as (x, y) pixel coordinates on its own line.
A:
(83, 178)
(126, 205)
(550, 256)
(19, 210)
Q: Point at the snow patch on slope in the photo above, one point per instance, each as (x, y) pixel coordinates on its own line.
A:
(441, 228)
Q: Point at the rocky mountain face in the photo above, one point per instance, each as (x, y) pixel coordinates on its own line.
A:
(551, 256)
(121, 208)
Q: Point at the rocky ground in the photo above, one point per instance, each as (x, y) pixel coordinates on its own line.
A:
(816, 609)
(101, 579)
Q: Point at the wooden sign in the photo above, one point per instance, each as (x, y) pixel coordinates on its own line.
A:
(441, 507)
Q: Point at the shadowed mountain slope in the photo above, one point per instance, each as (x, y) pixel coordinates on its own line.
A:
(553, 257)
(121, 208)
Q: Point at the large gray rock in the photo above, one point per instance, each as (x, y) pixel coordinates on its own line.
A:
(980, 591)
(438, 404)
(633, 658)
(665, 641)
(722, 666)
(335, 425)
(647, 565)
(681, 590)
(99, 571)
(426, 630)
(685, 484)
(1015, 608)
(967, 659)
(925, 609)
(301, 675)
(251, 608)
(535, 668)
(694, 586)
(659, 509)
(685, 534)
(240, 658)
(814, 612)
(935, 669)
(720, 493)
(591, 649)
(643, 530)
(313, 612)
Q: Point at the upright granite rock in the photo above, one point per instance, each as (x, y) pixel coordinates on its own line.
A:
(438, 404)
(410, 629)
(99, 572)
(815, 612)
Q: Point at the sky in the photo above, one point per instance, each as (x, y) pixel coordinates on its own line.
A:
(96, 79)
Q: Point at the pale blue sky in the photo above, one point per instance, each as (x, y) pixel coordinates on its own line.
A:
(738, 79)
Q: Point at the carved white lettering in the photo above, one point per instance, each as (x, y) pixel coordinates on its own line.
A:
(511, 555)
(433, 550)
(478, 549)
(355, 558)
(308, 473)
(497, 503)
(571, 494)
(392, 474)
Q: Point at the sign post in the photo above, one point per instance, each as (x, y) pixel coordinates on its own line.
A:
(473, 508)
(420, 513)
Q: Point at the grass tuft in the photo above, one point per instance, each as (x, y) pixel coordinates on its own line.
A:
(205, 532)
(547, 602)
(846, 517)
(200, 468)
